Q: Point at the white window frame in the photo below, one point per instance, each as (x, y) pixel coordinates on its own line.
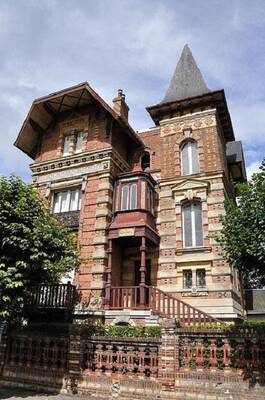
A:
(68, 200)
(190, 161)
(193, 229)
(128, 196)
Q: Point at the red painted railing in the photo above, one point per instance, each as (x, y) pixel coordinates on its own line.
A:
(161, 303)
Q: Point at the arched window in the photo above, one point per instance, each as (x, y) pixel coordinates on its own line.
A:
(125, 198)
(145, 162)
(133, 196)
(189, 159)
(192, 225)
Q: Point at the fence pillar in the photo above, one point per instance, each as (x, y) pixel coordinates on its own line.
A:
(74, 363)
(168, 356)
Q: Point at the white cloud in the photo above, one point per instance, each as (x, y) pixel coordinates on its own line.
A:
(252, 168)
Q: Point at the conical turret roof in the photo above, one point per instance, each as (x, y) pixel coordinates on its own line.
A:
(187, 80)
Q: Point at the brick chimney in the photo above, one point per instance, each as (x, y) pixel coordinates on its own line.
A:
(120, 106)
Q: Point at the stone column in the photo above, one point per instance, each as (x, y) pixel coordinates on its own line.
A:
(108, 281)
(143, 272)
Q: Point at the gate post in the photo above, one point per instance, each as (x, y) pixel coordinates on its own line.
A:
(168, 356)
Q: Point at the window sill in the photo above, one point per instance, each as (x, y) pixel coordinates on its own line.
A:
(190, 250)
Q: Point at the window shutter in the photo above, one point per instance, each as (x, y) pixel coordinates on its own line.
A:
(66, 145)
(185, 159)
(187, 226)
(198, 223)
(194, 158)
(79, 142)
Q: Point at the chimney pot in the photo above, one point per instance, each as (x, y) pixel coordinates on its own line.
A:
(120, 106)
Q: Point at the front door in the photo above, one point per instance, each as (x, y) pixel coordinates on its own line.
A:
(137, 273)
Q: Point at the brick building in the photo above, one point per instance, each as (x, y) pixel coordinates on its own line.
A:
(145, 206)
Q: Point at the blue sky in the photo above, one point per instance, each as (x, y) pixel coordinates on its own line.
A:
(47, 45)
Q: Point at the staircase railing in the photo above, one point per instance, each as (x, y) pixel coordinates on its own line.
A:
(161, 303)
(168, 306)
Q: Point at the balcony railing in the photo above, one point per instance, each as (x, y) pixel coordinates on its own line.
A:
(53, 296)
(161, 303)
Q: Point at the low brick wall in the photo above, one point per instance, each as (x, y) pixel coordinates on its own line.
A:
(182, 364)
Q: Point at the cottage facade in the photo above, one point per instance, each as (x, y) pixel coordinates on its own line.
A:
(145, 206)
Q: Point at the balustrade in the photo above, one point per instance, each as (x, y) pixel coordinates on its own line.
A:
(127, 357)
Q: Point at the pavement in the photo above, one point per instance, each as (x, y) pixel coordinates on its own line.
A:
(23, 394)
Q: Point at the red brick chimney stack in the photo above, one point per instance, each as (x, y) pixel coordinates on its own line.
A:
(120, 106)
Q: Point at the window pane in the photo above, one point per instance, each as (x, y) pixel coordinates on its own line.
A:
(66, 145)
(79, 142)
(187, 226)
(187, 278)
(198, 224)
(194, 158)
(57, 202)
(200, 278)
(124, 198)
(65, 201)
(185, 159)
(133, 195)
(74, 200)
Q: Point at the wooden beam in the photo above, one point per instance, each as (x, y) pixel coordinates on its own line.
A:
(37, 128)
(49, 109)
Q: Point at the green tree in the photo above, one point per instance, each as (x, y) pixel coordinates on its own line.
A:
(243, 233)
(34, 246)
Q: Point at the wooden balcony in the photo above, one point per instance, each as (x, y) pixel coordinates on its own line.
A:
(54, 299)
(159, 302)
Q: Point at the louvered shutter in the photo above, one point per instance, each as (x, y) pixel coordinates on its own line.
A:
(198, 224)
(185, 159)
(187, 226)
(194, 158)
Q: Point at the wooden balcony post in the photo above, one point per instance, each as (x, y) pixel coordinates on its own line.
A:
(143, 271)
(108, 281)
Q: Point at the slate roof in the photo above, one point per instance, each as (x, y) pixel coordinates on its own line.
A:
(255, 300)
(187, 80)
(234, 152)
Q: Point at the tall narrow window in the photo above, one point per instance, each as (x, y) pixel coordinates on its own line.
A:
(133, 196)
(200, 278)
(125, 198)
(66, 145)
(187, 278)
(79, 142)
(192, 225)
(189, 159)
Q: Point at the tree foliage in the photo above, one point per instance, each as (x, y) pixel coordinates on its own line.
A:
(34, 246)
(243, 233)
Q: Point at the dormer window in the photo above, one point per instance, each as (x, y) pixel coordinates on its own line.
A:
(73, 143)
(189, 158)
